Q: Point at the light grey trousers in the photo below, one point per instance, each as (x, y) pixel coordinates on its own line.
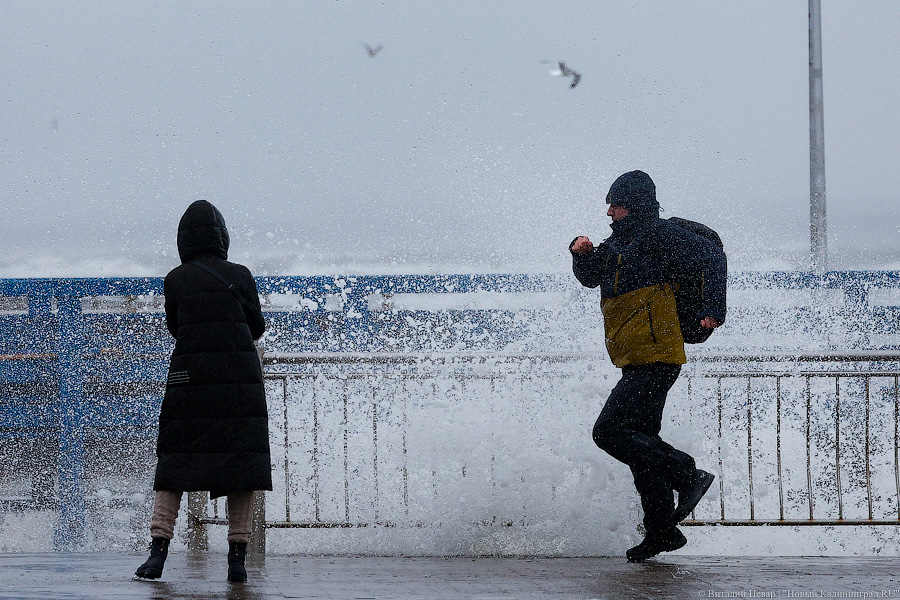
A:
(165, 511)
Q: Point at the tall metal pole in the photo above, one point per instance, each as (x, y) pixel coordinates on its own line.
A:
(817, 224)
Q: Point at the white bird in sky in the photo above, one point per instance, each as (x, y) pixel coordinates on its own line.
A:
(372, 51)
(565, 71)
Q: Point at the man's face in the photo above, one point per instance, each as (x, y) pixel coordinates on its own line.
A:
(617, 212)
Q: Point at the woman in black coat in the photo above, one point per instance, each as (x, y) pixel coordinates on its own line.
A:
(213, 425)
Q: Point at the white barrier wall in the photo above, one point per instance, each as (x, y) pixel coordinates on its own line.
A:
(431, 448)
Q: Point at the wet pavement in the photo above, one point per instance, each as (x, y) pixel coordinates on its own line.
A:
(109, 576)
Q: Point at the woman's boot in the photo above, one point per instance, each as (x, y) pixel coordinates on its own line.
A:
(237, 551)
(153, 568)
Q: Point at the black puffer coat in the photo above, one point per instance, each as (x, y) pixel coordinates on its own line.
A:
(213, 426)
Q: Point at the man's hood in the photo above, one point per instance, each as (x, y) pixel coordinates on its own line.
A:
(202, 231)
(635, 191)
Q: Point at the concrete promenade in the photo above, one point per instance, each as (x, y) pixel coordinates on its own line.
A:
(109, 576)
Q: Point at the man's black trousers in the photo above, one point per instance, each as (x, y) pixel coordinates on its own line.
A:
(628, 429)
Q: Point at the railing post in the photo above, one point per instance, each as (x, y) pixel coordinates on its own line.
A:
(809, 477)
(778, 447)
(721, 459)
(750, 448)
(257, 544)
(897, 443)
(196, 531)
(837, 444)
(69, 533)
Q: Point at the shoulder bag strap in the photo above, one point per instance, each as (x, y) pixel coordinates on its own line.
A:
(231, 288)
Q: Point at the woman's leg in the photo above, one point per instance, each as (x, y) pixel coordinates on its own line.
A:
(240, 507)
(165, 511)
(162, 528)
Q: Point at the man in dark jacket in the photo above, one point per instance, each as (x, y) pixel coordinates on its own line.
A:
(637, 269)
(213, 424)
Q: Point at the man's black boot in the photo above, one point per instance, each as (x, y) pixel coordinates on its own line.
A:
(691, 494)
(655, 543)
(153, 567)
(237, 551)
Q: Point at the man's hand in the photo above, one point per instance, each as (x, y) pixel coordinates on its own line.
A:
(582, 245)
(709, 323)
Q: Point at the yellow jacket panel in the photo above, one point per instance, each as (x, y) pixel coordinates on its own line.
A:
(642, 327)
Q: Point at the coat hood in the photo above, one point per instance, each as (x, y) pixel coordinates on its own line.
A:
(636, 192)
(202, 231)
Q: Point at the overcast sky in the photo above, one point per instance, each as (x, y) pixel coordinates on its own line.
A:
(454, 148)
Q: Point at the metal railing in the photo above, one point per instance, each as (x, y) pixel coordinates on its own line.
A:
(774, 408)
(831, 412)
(345, 462)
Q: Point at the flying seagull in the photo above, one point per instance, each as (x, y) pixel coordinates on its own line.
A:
(565, 71)
(372, 51)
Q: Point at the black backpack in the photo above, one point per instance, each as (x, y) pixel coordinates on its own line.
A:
(689, 294)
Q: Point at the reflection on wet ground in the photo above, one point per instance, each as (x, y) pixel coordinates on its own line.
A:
(108, 576)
